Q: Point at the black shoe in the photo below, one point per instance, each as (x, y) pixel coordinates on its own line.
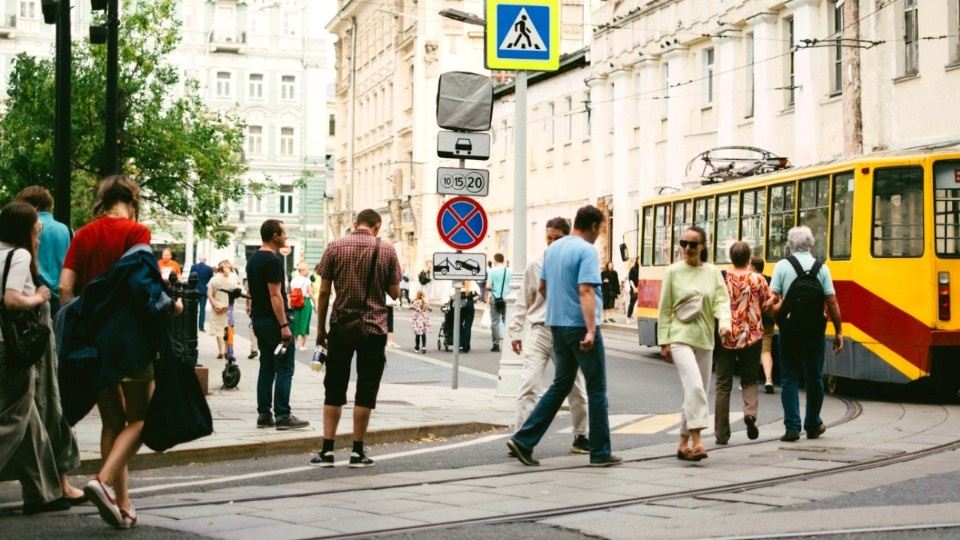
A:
(291, 422)
(752, 431)
(790, 436)
(523, 455)
(265, 421)
(581, 445)
(360, 460)
(495, 348)
(769, 388)
(253, 354)
(817, 432)
(323, 459)
(608, 461)
(56, 505)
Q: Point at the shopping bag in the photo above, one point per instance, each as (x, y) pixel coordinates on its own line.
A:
(485, 319)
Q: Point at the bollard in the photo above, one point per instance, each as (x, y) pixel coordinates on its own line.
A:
(183, 327)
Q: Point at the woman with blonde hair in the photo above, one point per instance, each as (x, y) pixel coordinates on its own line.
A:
(225, 280)
(124, 384)
(301, 314)
(686, 336)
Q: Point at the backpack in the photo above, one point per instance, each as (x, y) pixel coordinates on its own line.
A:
(296, 298)
(424, 278)
(802, 309)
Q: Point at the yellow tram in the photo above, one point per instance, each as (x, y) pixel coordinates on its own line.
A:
(888, 226)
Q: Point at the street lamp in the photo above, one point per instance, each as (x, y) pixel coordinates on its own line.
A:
(108, 34)
(510, 363)
(58, 12)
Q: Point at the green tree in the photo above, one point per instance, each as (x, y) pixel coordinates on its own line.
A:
(187, 159)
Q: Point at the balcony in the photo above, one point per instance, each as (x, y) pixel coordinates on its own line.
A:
(226, 42)
(8, 26)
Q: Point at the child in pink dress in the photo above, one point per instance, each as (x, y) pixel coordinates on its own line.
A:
(421, 322)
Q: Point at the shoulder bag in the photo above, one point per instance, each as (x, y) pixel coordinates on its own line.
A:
(500, 303)
(350, 325)
(25, 337)
(688, 307)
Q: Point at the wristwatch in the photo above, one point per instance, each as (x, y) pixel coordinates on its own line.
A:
(284, 325)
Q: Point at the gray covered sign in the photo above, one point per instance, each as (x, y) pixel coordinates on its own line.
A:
(464, 101)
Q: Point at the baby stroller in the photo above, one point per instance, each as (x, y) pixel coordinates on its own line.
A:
(445, 336)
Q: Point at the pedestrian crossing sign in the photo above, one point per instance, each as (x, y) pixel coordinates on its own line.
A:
(523, 34)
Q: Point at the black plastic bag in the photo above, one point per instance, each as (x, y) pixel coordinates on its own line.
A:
(178, 411)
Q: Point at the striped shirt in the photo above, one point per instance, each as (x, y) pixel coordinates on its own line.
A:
(346, 263)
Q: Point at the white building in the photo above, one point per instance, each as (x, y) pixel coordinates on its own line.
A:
(268, 60)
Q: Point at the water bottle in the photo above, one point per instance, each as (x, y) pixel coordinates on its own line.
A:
(319, 358)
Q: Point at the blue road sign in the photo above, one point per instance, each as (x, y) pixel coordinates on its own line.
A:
(523, 34)
(462, 223)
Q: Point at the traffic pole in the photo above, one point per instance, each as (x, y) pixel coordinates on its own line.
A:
(64, 89)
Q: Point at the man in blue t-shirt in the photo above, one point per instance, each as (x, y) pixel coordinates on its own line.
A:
(54, 241)
(204, 275)
(570, 282)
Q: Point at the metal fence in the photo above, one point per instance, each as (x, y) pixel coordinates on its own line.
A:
(183, 327)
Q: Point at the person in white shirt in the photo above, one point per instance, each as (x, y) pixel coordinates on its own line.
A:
(536, 345)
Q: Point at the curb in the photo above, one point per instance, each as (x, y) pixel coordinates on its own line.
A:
(308, 444)
(620, 328)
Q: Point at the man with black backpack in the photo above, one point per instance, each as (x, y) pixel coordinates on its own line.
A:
(802, 322)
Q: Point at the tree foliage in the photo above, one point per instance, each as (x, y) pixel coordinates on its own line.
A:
(186, 158)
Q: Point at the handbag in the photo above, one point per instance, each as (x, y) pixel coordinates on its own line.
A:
(25, 336)
(178, 411)
(688, 308)
(500, 303)
(350, 325)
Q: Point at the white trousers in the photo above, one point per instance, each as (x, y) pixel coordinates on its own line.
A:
(537, 351)
(693, 365)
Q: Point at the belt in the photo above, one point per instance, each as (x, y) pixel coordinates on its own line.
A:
(538, 324)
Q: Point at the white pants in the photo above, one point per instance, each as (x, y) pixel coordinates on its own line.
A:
(693, 365)
(537, 351)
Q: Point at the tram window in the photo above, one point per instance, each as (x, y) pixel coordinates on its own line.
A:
(703, 214)
(728, 207)
(751, 219)
(814, 210)
(661, 235)
(841, 229)
(946, 204)
(682, 220)
(898, 212)
(646, 249)
(782, 203)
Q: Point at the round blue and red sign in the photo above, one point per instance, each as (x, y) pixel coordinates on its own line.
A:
(462, 223)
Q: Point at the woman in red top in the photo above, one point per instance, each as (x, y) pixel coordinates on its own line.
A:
(748, 291)
(95, 248)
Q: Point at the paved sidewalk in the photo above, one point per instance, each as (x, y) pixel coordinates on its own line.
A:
(414, 401)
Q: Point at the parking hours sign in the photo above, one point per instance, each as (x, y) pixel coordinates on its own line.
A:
(523, 34)
(462, 223)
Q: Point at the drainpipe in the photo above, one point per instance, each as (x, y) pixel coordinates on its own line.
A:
(850, 57)
(353, 113)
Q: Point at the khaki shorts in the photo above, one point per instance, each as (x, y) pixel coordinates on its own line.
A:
(143, 374)
(767, 344)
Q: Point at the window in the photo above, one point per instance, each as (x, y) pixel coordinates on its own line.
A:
(791, 42)
(661, 235)
(953, 37)
(841, 228)
(836, 77)
(286, 142)
(682, 220)
(748, 106)
(587, 117)
(780, 220)
(703, 214)
(254, 140)
(946, 209)
(255, 86)
(28, 9)
(751, 219)
(332, 128)
(290, 24)
(665, 90)
(646, 248)
(728, 206)
(224, 84)
(897, 212)
(550, 124)
(254, 204)
(288, 88)
(814, 210)
(568, 135)
(286, 199)
(708, 76)
(911, 33)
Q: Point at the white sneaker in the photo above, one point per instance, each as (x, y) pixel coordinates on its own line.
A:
(129, 518)
(103, 496)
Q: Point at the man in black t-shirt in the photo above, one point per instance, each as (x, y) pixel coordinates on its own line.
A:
(271, 324)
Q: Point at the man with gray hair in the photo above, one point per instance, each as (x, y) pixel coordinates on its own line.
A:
(802, 345)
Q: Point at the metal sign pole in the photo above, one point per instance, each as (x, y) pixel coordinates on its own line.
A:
(456, 335)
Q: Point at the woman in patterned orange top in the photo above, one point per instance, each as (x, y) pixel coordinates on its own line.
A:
(748, 291)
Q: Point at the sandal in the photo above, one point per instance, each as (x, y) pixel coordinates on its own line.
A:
(699, 453)
(685, 454)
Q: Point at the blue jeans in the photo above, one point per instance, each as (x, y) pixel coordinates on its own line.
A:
(202, 311)
(276, 372)
(569, 357)
(801, 354)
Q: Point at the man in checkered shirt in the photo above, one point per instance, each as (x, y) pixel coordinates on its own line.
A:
(346, 265)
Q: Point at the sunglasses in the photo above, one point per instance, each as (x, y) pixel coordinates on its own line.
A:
(688, 243)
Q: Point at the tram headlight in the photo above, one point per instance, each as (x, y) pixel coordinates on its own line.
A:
(943, 295)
